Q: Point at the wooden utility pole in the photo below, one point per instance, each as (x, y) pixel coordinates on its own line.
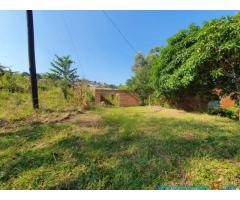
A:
(31, 56)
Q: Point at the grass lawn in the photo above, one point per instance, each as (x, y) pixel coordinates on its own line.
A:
(118, 148)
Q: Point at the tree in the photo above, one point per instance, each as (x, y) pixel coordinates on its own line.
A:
(139, 62)
(222, 53)
(200, 59)
(61, 69)
(139, 82)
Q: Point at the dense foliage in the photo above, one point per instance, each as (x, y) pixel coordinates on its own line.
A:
(199, 59)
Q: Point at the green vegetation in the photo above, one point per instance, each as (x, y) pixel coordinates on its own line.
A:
(230, 113)
(61, 69)
(16, 97)
(195, 62)
(140, 82)
(119, 148)
(200, 59)
(70, 143)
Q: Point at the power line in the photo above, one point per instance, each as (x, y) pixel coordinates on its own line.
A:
(73, 44)
(119, 31)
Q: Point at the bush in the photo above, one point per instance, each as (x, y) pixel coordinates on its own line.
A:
(82, 96)
(11, 82)
(223, 112)
(157, 100)
(112, 100)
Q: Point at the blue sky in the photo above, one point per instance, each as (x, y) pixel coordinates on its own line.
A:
(99, 52)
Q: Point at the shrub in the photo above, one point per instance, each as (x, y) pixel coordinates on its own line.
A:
(82, 96)
(158, 100)
(112, 100)
(9, 82)
(223, 112)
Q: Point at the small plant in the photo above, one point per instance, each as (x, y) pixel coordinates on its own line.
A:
(112, 100)
(8, 82)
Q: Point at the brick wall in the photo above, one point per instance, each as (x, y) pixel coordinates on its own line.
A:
(194, 103)
(129, 99)
(126, 98)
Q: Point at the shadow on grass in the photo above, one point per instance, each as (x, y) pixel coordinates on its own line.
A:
(124, 157)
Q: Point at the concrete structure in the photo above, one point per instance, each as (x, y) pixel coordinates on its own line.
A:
(125, 98)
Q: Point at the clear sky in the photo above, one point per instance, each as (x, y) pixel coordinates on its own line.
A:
(99, 51)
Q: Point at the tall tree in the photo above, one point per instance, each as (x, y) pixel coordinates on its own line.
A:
(139, 62)
(61, 68)
(140, 81)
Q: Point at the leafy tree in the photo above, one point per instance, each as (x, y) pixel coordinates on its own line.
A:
(61, 69)
(139, 62)
(200, 59)
(222, 53)
(141, 69)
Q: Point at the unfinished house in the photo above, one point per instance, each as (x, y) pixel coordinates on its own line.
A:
(109, 96)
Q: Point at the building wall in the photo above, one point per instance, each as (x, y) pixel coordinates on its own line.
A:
(132, 99)
(197, 103)
(129, 99)
(125, 98)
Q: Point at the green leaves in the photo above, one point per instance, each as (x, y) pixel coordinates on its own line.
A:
(61, 68)
(140, 82)
(216, 73)
(200, 59)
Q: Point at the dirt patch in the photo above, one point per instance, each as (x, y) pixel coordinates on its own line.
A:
(155, 108)
(87, 121)
(2, 123)
(40, 119)
(187, 136)
(58, 117)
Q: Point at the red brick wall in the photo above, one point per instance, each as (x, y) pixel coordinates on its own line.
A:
(129, 99)
(193, 103)
(125, 98)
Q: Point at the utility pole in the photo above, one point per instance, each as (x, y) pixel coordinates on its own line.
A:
(31, 56)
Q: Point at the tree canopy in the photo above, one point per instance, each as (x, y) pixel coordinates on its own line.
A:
(199, 59)
(139, 82)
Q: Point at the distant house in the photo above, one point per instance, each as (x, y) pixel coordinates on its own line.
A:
(125, 98)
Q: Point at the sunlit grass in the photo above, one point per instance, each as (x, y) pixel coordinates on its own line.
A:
(121, 148)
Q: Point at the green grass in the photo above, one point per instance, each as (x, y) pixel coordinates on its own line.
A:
(119, 148)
